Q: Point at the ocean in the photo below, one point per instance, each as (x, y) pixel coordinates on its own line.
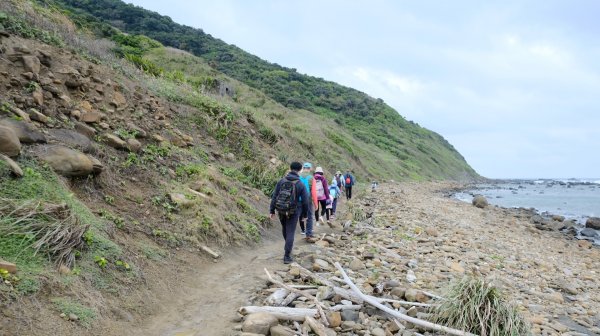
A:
(575, 199)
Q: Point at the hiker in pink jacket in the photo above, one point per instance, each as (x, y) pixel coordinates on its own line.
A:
(322, 188)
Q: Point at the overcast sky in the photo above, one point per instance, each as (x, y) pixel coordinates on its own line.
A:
(513, 85)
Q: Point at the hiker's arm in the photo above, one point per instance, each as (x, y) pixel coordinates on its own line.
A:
(273, 197)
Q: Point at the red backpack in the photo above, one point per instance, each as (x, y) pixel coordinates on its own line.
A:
(348, 180)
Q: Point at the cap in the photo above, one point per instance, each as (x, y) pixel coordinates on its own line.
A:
(319, 170)
(338, 173)
(307, 165)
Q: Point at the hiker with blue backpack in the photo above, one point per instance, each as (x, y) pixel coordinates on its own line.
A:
(290, 200)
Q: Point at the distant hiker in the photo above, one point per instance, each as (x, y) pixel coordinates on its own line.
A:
(334, 192)
(307, 219)
(338, 179)
(348, 184)
(374, 185)
(290, 200)
(322, 190)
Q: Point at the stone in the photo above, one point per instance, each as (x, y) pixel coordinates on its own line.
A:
(412, 311)
(589, 232)
(72, 139)
(584, 244)
(410, 276)
(31, 64)
(118, 100)
(398, 292)
(9, 142)
(378, 332)
(37, 116)
(66, 161)
(26, 132)
(10, 267)
(139, 132)
(259, 323)
(86, 130)
(411, 294)
(593, 223)
(280, 330)
(335, 319)
(38, 96)
(558, 218)
(357, 265)
(180, 200)
(14, 167)
(349, 315)
(73, 317)
(322, 243)
(20, 113)
(480, 201)
(392, 284)
(114, 141)
(86, 106)
(431, 232)
(92, 117)
(133, 145)
(456, 267)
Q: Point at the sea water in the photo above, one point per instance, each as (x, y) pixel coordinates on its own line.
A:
(576, 199)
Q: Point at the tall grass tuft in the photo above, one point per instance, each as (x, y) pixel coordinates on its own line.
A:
(51, 228)
(476, 306)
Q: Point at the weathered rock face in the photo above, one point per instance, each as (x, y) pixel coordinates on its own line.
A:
(480, 201)
(67, 161)
(26, 132)
(9, 142)
(593, 223)
(259, 323)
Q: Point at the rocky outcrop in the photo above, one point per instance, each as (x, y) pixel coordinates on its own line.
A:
(69, 162)
(26, 132)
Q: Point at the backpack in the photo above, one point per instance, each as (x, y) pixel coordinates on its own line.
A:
(348, 180)
(287, 199)
(338, 179)
(320, 189)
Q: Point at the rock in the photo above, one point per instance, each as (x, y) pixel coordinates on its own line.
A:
(73, 317)
(133, 145)
(593, 223)
(357, 265)
(280, 330)
(392, 284)
(412, 311)
(37, 116)
(31, 64)
(325, 293)
(398, 292)
(413, 295)
(72, 139)
(92, 117)
(9, 142)
(378, 332)
(66, 161)
(139, 132)
(349, 315)
(98, 167)
(259, 323)
(584, 244)
(119, 100)
(322, 243)
(86, 106)
(456, 267)
(114, 141)
(431, 232)
(20, 113)
(180, 200)
(410, 276)
(64, 270)
(14, 167)
(86, 130)
(38, 96)
(10, 267)
(589, 232)
(335, 319)
(480, 201)
(558, 218)
(26, 132)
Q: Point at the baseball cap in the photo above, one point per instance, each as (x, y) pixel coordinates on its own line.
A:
(307, 165)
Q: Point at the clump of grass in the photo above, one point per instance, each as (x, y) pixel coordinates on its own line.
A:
(478, 307)
(85, 315)
(52, 228)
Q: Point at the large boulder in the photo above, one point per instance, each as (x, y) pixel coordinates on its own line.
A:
(73, 139)
(259, 323)
(26, 132)
(480, 201)
(589, 232)
(593, 223)
(67, 161)
(114, 141)
(9, 142)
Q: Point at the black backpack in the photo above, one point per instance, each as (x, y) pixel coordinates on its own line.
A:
(287, 200)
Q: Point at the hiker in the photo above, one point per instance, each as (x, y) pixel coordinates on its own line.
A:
(348, 183)
(338, 179)
(290, 199)
(322, 191)
(307, 219)
(374, 186)
(334, 193)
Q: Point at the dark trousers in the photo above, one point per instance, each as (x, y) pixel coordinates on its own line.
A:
(348, 192)
(334, 206)
(288, 229)
(322, 209)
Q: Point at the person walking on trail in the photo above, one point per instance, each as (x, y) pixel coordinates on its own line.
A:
(348, 184)
(322, 190)
(334, 192)
(307, 219)
(290, 200)
(338, 179)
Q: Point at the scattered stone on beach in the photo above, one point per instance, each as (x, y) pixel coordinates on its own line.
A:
(589, 232)
(593, 223)
(480, 201)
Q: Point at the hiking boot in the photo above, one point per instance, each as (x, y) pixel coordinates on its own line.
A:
(288, 260)
(310, 239)
(302, 232)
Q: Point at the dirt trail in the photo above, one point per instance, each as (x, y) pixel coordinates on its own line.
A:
(207, 304)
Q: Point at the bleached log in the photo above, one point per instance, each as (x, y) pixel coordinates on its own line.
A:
(396, 314)
(316, 326)
(282, 313)
(345, 307)
(289, 299)
(209, 251)
(277, 297)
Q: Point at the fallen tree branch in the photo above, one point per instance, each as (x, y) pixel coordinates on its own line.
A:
(316, 326)
(396, 314)
(281, 313)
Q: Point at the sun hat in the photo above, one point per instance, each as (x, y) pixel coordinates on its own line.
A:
(307, 165)
(319, 170)
(338, 173)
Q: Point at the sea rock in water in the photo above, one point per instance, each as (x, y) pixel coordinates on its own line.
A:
(593, 223)
(259, 323)
(589, 232)
(480, 201)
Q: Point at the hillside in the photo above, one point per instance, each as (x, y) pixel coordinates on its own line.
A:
(417, 152)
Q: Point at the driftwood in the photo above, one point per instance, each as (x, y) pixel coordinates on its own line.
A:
(315, 277)
(289, 299)
(352, 296)
(209, 251)
(322, 314)
(396, 314)
(345, 307)
(282, 313)
(277, 297)
(316, 326)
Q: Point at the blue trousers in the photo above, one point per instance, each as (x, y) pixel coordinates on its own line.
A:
(334, 205)
(288, 229)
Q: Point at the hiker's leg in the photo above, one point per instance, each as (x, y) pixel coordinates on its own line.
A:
(290, 230)
(282, 219)
(334, 206)
(301, 224)
(350, 193)
(310, 220)
(317, 211)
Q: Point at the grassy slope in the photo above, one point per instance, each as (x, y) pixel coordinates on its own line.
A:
(404, 148)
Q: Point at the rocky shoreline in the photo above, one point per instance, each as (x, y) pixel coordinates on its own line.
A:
(404, 244)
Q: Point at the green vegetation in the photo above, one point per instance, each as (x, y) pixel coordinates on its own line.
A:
(69, 307)
(19, 25)
(476, 306)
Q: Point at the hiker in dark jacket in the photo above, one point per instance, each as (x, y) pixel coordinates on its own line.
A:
(348, 181)
(290, 200)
